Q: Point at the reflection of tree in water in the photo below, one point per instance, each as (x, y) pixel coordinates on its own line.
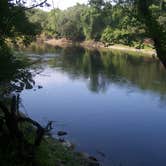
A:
(14, 77)
(103, 68)
(41, 49)
(93, 65)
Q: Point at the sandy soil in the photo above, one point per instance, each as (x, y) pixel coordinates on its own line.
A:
(90, 44)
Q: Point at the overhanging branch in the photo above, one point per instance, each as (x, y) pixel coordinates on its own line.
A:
(33, 6)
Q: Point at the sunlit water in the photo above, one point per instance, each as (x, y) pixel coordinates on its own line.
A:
(112, 106)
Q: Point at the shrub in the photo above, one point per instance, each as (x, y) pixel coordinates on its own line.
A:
(116, 36)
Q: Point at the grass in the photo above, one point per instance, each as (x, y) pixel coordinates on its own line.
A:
(53, 153)
(50, 152)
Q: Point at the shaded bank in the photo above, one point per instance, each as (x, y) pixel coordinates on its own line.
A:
(98, 45)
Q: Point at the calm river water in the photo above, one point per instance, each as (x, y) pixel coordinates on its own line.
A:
(113, 105)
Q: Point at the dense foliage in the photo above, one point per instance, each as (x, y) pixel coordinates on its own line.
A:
(99, 20)
(112, 22)
(149, 13)
(14, 21)
(129, 22)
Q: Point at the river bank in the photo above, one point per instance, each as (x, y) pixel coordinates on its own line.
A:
(55, 152)
(91, 44)
(35, 145)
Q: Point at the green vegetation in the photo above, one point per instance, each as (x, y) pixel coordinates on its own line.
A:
(50, 153)
(101, 21)
(22, 139)
(135, 23)
(140, 24)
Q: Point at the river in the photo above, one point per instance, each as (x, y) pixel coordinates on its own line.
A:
(112, 104)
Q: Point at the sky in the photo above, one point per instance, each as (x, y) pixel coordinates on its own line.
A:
(64, 4)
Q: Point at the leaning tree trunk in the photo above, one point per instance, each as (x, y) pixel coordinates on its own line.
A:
(10, 116)
(154, 29)
(13, 119)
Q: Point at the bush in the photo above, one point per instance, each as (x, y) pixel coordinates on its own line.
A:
(116, 36)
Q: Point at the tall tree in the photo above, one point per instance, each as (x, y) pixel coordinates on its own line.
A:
(153, 27)
(146, 16)
(97, 3)
(13, 19)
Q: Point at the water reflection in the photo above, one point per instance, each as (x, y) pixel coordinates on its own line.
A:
(103, 68)
(14, 76)
(121, 113)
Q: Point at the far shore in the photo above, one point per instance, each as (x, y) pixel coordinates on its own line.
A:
(90, 44)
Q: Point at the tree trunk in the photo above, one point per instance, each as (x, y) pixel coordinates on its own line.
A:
(154, 29)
